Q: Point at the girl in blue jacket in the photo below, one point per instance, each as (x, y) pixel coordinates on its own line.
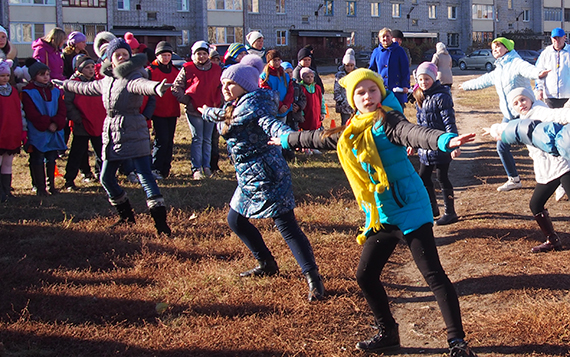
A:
(435, 110)
(372, 152)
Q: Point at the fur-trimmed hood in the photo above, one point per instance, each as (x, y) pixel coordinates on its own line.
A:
(136, 63)
(100, 39)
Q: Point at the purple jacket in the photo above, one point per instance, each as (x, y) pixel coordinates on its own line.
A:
(45, 53)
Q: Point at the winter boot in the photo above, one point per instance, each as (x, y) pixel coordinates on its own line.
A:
(39, 179)
(449, 216)
(552, 240)
(459, 348)
(265, 268)
(126, 214)
(50, 172)
(158, 213)
(316, 287)
(433, 201)
(3, 196)
(387, 339)
(6, 183)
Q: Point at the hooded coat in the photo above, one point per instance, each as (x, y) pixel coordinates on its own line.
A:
(48, 55)
(125, 132)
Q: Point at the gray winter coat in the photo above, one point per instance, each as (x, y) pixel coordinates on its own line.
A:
(125, 131)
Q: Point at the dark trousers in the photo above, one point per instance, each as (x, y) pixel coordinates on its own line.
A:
(164, 130)
(377, 250)
(441, 174)
(290, 231)
(542, 192)
(79, 152)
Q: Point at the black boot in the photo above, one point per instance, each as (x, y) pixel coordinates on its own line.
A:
(159, 216)
(3, 196)
(387, 339)
(265, 268)
(6, 183)
(39, 179)
(50, 173)
(459, 348)
(449, 216)
(552, 240)
(126, 214)
(316, 287)
(433, 201)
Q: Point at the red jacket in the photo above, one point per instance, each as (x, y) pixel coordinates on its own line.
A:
(312, 111)
(92, 111)
(42, 122)
(167, 106)
(10, 121)
(203, 87)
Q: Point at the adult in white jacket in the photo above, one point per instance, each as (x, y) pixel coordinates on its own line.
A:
(510, 72)
(554, 90)
(550, 171)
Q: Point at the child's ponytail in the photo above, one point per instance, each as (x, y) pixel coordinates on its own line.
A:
(419, 96)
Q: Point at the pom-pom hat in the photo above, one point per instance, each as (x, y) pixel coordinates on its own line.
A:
(349, 57)
(427, 68)
(131, 40)
(5, 66)
(351, 80)
(246, 73)
(509, 44)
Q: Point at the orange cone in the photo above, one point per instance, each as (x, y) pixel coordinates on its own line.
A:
(333, 124)
(56, 172)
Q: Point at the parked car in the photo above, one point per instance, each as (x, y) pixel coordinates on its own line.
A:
(456, 54)
(177, 61)
(221, 48)
(529, 55)
(363, 57)
(478, 59)
(428, 55)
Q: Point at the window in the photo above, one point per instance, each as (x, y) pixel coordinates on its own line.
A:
(453, 40)
(329, 8)
(566, 15)
(280, 6)
(305, 20)
(351, 41)
(33, 2)
(84, 3)
(526, 15)
(151, 16)
(351, 8)
(182, 5)
(396, 10)
(27, 33)
(480, 37)
(510, 4)
(225, 5)
(224, 34)
(483, 12)
(452, 12)
(432, 11)
(511, 26)
(415, 22)
(185, 39)
(253, 6)
(281, 37)
(551, 14)
(375, 9)
(90, 30)
(123, 4)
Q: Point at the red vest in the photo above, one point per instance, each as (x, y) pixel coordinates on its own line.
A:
(312, 111)
(92, 111)
(167, 106)
(10, 121)
(203, 87)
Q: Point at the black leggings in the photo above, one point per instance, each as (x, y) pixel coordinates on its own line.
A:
(376, 252)
(441, 172)
(542, 192)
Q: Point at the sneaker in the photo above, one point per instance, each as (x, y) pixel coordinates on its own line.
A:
(198, 175)
(459, 348)
(207, 172)
(387, 339)
(560, 193)
(70, 187)
(512, 183)
(157, 175)
(133, 178)
(88, 178)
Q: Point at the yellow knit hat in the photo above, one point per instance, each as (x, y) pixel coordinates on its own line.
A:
(351, 80)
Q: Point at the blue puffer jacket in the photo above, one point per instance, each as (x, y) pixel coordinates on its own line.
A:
(552, 138)
(264, 181)
(436, 112)
(393, 65)
(511, 72)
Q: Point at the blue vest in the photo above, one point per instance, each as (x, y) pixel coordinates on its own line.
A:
(45, 141)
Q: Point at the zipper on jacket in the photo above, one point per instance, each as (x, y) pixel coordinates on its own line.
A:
(395, 196)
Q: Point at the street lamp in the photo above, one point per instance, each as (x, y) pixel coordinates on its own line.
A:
(408, 16)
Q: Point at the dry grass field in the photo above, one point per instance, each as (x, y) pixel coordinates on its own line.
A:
(71, 287)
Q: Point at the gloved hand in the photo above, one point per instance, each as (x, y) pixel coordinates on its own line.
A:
(162, 87)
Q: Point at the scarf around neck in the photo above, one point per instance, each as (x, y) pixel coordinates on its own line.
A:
(356, 147)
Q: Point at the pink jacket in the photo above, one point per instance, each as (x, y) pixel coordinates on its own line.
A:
(46, 54)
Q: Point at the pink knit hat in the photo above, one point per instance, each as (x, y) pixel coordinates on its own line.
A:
(131, 40)
(427, 68)
(306, 70)
(5, 66)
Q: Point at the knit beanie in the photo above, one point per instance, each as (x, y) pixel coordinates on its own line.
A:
(246, 73)
(200, 45)
(440, 47)
(305, 70)
(509, 44)
(102, 38)
(271, 54)
(397, 34)
(520, 91)
(131, 40)
(427, 68)
(214, 54)
(351, 80)
(2, 29)
(253, 36)
(234, 50)
(80, 61)
(5, 66)
(286, 65)
(162, 47)
(75, 37)
(115, 45)
(304, 52)
(349, 57)
(35, 68)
